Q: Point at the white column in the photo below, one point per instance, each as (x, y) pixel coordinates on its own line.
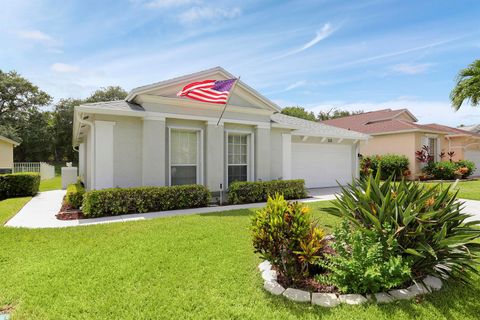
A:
(214, 156)
(286, 156)
(154, 153)
(262, 153)
(103, 154)
(81, 160)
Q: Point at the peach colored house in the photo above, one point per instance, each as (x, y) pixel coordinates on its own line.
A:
(397, 132)
(6, 154)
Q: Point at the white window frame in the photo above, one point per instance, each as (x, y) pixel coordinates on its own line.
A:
(200, 159)
(250, 155)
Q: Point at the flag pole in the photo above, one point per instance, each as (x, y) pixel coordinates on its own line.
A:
(228, 99)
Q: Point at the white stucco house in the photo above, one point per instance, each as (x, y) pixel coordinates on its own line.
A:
(154, 138)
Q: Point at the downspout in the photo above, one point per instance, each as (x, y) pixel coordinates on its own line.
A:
(92, 127)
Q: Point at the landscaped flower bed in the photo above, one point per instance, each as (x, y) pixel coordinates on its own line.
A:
(397, 241)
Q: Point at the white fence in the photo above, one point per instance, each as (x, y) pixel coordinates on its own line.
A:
(46, 170)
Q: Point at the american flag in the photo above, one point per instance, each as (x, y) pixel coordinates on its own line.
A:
(212, 91)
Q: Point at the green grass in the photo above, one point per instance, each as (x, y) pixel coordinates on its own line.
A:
(186, 267)
(9, 207)
(468, 189)
(51, 184)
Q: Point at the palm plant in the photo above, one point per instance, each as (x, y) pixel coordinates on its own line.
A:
(467, 87)
(427, 222)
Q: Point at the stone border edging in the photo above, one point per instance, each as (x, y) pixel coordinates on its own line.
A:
(330, 300)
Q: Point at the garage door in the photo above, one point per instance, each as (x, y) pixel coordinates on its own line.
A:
(322, 165)
(475, 157)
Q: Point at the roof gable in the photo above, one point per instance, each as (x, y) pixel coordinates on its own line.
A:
(242, 95)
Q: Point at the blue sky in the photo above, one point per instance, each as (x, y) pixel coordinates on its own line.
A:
(317, 54)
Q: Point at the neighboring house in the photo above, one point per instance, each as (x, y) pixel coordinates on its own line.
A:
(6, 154)
(154, 138)
(397, 131)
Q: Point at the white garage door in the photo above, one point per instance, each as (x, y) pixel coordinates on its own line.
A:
(475, 157)
(322, 165)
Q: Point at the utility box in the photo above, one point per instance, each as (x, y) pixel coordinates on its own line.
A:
(69, 176)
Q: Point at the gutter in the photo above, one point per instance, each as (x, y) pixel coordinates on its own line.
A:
(90, 124)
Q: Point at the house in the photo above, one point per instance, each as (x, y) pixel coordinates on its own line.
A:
(397, 131)
(154, 138)
(6, 154)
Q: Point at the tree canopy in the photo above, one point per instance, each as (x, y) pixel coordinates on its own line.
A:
(110, 93)
(467, 87)
(44, 135)
(332, 113)
(299, 112)
(18, 96)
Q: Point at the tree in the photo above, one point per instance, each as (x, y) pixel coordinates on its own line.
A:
(18, 97)
(467, 87)
(37, 137)
(110, 93)
(299, 112)
(62, 124)
(9, 131)
(335, 113)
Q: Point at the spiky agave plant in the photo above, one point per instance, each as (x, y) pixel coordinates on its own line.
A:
(426, 221)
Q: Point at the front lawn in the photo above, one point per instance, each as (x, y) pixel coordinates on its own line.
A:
(467, 189)
(51, 184)
(198, 266)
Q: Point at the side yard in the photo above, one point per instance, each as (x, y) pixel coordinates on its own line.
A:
(199, 266)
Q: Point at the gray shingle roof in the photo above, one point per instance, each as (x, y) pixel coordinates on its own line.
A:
(307, 127)
(121, 105)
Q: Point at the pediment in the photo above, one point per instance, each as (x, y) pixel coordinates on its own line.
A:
(242, 95)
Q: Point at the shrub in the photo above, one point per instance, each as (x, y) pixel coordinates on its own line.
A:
(249, 192)
(441, 169)
(363, 262)
(448, 169)
(19, 185)
(117, 201)
(74, 196)
(427, 223)
(467, 164)
(285, 234)
(389, 164)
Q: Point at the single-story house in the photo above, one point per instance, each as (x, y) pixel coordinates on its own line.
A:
(397, 132)
(154, 138)
(6, 154)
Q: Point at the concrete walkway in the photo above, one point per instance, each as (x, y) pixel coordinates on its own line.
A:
(41, 210)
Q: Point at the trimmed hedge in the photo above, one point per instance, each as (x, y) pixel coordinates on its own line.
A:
(249, 192)
(117, 201)
(19, 185)
(74, 196)
(390, 164)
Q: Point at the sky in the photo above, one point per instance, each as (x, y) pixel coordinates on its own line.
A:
(352, 55)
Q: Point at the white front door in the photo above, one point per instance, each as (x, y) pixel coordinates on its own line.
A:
(474, 156)
(322, 164)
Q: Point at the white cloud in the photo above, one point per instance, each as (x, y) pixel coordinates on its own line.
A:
(322, 34)
(295, 85)
(36, 35)
(408, 68)
(197, 14)
(64, 68)
(163, 4)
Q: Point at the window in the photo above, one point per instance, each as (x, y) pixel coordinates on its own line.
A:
(238, 157)
(432, 147)
(184, 157)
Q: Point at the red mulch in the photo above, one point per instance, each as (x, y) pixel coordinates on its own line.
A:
(69, 213)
